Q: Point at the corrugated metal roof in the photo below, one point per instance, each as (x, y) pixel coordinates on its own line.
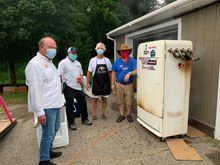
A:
(172, 10)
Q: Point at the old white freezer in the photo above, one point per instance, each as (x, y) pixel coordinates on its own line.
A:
(163, 86)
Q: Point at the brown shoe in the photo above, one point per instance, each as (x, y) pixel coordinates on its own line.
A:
(129, 118)
(120, 118)
(94, 117)
(103, 116)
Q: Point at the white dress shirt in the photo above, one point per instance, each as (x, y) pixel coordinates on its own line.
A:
(44, 85)
(70, 71)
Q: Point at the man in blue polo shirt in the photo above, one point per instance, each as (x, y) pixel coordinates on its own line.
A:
(123, 71)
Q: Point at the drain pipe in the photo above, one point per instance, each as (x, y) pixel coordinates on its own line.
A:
(114, 45)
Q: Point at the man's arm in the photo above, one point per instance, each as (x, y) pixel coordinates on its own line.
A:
(113, 80)
(34, 82)
(61, 71)
(88, 79)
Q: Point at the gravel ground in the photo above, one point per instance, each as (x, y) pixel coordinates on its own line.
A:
(104, 143)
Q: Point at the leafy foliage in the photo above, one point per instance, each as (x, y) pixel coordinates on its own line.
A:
(79, 23)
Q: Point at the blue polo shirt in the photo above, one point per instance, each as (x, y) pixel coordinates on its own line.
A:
(121, 68)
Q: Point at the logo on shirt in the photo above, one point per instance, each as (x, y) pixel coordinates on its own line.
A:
(123, 67)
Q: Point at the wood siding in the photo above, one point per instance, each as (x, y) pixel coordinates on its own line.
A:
(203, 29)
(119, 40)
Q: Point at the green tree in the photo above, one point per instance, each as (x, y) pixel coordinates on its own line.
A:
(139, 8)
(166, 2)
(24, 22)
(17, 29)
(79, 23)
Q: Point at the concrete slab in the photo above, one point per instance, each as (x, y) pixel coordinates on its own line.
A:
(106, 142)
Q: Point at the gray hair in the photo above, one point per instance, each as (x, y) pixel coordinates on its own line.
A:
(100, 44)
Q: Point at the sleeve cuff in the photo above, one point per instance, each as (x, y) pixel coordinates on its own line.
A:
(40, 113)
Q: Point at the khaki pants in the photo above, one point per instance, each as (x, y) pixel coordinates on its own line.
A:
(125, 93)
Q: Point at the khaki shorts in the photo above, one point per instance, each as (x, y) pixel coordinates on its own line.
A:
(100, 96)
(125, 93)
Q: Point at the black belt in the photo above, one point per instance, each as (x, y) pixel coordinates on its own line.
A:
(124, 83)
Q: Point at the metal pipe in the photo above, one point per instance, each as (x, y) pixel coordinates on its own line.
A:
(114, 45)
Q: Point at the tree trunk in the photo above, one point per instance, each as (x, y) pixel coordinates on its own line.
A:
(11, 72)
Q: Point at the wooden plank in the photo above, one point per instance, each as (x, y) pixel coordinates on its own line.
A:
(9, 89)
(194, 133)
(182, 151)
(4, 125)
(20, 89)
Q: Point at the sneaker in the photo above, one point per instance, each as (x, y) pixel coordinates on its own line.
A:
(120, 118)
(73, 127)
(87, 122)
(47, 162)
(103, 116)
(94, 117)
(55, 154)
(129, 118)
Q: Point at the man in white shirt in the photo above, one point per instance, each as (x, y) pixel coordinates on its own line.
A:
(44, 96)
(71, 72)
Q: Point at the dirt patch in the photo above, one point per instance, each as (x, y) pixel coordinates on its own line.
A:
(18, 111)
(214, 157)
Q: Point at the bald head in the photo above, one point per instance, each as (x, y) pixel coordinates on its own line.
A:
(46, 43)
(45, 40)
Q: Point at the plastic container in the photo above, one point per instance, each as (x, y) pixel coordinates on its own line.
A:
(88, 93)
(62, 136)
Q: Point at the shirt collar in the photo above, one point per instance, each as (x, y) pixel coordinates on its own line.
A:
(43, 57)
(69, 59)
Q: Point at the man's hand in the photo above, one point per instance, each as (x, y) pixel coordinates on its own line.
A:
(79, 80)
(42, 120)
(113, 88)
(88, 86)
(127, 76)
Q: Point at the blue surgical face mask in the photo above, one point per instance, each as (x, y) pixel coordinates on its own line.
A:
(100, 51)
(51, 53)
(72, 56)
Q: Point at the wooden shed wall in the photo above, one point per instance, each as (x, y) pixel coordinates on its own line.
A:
(120, 40)
(203, 29)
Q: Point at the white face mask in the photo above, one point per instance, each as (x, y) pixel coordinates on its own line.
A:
(100, 51)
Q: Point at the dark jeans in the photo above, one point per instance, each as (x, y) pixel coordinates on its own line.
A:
(70, 94)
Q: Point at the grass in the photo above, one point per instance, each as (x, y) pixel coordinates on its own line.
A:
(15, 98)
(213, 142)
